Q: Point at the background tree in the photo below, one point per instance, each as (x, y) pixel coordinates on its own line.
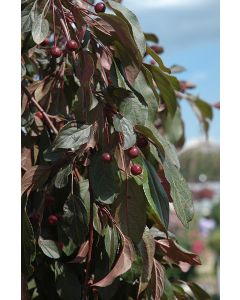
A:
(99, 166)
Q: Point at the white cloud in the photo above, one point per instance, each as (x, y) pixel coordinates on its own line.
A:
(192, 143)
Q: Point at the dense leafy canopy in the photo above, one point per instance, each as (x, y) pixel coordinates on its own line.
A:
(86, 219)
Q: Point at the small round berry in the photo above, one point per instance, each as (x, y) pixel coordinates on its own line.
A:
(45, 42)
(142, 142)
(56, 52)
(106, 157)
(72, 45)
(136, 170)
(39, 114)
(133, 152)
(35, 218)
(52, 220)
(100, 7)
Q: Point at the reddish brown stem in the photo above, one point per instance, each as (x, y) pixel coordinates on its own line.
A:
(106, 132)
(38, 106)
(63, 14)
(86, 13)
(77, 174)
(24, 289)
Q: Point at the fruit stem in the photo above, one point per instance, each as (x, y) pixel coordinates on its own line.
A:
(106, 133)
(35, 103)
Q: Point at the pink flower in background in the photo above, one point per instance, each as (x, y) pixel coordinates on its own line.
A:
(198, 247)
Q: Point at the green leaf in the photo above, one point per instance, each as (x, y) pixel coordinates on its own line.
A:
(156, 195)
(134, 110)
(85, 196)
(74, 220)
(203, 112)
(179, 292)
(40, 29)
(72, 137)
(111, 243)
(28, 15)
(70, 247)
(180, 193)
(152, 209)
(28, 252)
(117, 94)
(129, 210)
(198, 292)
(174, 127)
(50, 156)
(165, 85)
(124, 126)
(61, 179)
(132, 21)
(142, 86)
(147, 250)
(97, 225)
(49, 248)
(117, 77)
(204, 108)
(84, 190)
(104, 179)
(167, 150)
(158, 60)
(149, 79)
(168, 290)
(151, 37)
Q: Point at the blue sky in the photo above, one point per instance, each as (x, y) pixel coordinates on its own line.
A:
(189, 32)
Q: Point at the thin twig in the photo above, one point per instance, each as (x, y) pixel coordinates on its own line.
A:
(38, 106)
(63, 14)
